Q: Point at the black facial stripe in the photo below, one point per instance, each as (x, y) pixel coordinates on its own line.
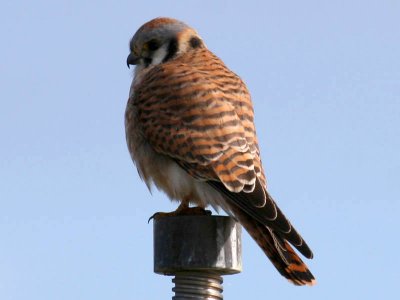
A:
(172, 49)
(147, 61)
(195, 42)
(153, 45)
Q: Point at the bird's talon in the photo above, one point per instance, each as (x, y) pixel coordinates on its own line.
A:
(151, 218)
(187, 211)
(159, 215)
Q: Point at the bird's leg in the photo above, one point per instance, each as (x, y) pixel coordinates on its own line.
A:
(182, 210)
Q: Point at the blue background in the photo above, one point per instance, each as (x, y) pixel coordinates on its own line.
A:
(325, 82)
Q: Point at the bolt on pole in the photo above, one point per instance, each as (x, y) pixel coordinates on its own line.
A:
(198, 251)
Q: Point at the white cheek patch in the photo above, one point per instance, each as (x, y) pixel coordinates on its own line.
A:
(141, 69)
(159, 55)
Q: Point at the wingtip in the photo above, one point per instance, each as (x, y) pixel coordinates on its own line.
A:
(303, 282)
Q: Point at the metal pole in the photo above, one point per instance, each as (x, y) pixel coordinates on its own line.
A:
(198, 251)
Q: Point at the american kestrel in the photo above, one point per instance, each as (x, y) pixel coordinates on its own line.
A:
(190, 131)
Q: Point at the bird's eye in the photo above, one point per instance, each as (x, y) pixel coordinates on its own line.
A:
(153, 45)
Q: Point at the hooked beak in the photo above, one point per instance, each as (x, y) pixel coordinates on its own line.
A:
(132, 59)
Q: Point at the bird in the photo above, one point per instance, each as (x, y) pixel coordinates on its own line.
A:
(189, 125)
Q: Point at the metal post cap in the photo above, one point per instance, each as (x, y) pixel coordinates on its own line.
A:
(197, 244)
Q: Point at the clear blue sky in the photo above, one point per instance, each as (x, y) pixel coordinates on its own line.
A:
(325, 81)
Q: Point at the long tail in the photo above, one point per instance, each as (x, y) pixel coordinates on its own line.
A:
(272, 231)
(281, 254)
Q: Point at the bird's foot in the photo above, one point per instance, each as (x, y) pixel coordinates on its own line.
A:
(182, 211)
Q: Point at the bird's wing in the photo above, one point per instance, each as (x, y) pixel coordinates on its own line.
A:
(201, 116)
(202, 119)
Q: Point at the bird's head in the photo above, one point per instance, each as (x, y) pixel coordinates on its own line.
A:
(161, 40)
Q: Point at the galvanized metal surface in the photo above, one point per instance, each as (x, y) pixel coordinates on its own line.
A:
(198, 250)
(197, 243)
(197, 286)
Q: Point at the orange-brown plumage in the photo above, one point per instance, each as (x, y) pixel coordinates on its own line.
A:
(186, 112)
(190, 130)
